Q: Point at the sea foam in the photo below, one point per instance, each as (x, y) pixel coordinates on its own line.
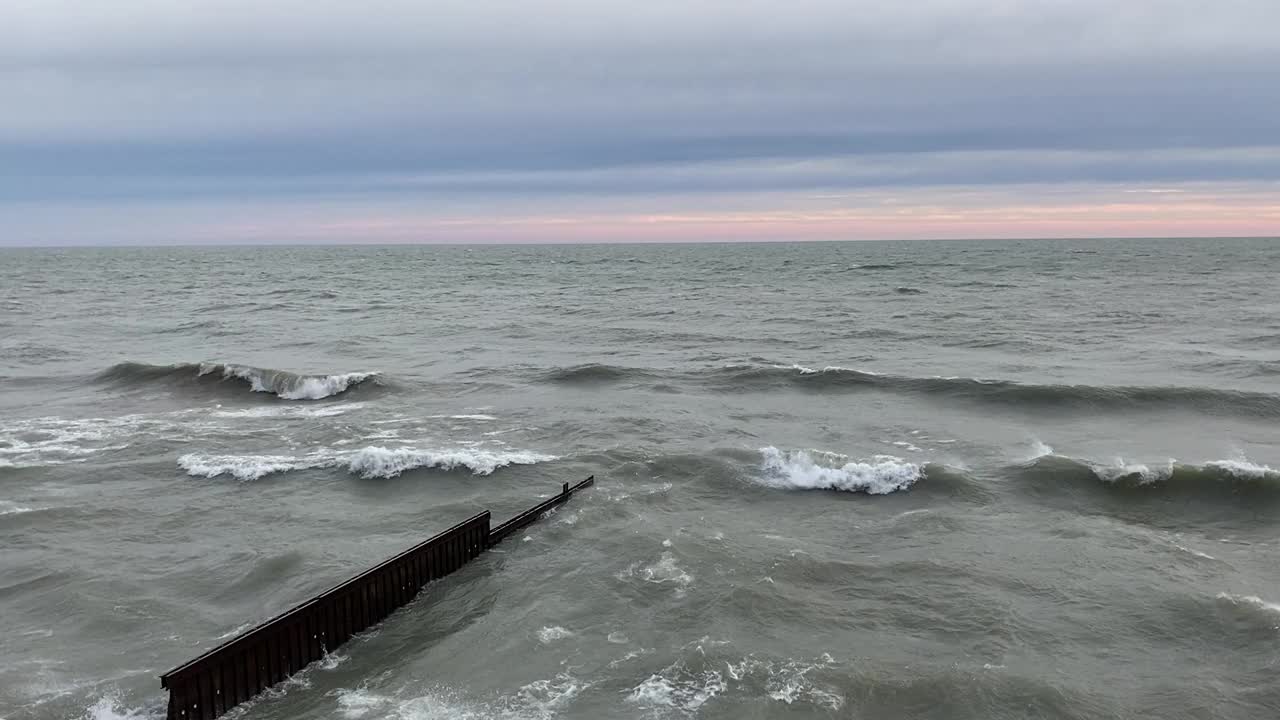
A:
(389, 462)
(817, 470)
(368, 462)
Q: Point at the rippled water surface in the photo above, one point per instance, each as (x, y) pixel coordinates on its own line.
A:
(863, 480)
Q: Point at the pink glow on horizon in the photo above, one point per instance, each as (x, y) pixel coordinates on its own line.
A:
(1171, 216)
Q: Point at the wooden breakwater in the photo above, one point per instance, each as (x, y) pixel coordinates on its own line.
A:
(244, 666)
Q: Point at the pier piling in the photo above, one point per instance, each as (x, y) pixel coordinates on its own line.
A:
(237, 670)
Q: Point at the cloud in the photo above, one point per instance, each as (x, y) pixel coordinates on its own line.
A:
(144, 101)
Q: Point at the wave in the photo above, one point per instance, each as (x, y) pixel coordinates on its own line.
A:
(871, 266)
(1008, 393)
(1221, 478)
(247, 467)
(1005, 392)
(817, 470)
(369, 462)
(382, 462)
(281, 383)
(908, 291)
(1267, 612)
(12, 508)
(593, 373)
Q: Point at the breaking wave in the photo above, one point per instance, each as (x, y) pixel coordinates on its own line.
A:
(368, 462)
(1259, 609)
(281, 383)
(817, 470)
(1214, 477)
(247, 467)
(382, 462)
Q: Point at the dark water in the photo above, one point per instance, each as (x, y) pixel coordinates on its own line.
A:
(911, 480)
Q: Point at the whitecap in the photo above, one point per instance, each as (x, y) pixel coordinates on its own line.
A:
(12, 508)
(1197, 553)
(1039, 450)
(246, 467)
(665, 571)
(287, 385)
(817, 470)
(1252, 602)
(552, 633)
(368, 462)
(685, 693)
(803, 370)
(1118, 469)
(1243, 469)
(111, 707)
(384, 462)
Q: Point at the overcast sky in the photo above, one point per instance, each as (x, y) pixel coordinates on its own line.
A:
(208, 121)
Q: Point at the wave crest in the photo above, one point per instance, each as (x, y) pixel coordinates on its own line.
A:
(1019, 395)
(369, 462)
(382, 462)
(1267, 612)
(281, 383)
(816, 470)
(1213, 478)
(592, 373)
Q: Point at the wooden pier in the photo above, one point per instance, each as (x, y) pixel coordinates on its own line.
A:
(244, 666)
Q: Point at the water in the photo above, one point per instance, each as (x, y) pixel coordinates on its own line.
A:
(900, 480)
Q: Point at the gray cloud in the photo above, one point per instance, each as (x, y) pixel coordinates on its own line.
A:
(142, 100)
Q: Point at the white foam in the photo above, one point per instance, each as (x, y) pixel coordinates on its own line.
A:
(245, 467)
(11, 508)
(332, 660)
(538, 700)
(664, 571)
(110, 707)
(1192, 551)
(1039, 449)
(315, 388)
(1243, 469)
(235, 631)
(383, 462)
(552, 633)
(368, 462)
(788, 681)
(1251, 601)
(817, 470)
(829, 368)
(46, 441)
(1119, 470)
(275, 411)
(305, 387)
(683, 693)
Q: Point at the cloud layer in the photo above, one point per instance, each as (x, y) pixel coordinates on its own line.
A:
(438, 111)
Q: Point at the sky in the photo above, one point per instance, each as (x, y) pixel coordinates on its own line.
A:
(478, 121)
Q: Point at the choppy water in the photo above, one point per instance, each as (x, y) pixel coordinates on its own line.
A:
(911, 480)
